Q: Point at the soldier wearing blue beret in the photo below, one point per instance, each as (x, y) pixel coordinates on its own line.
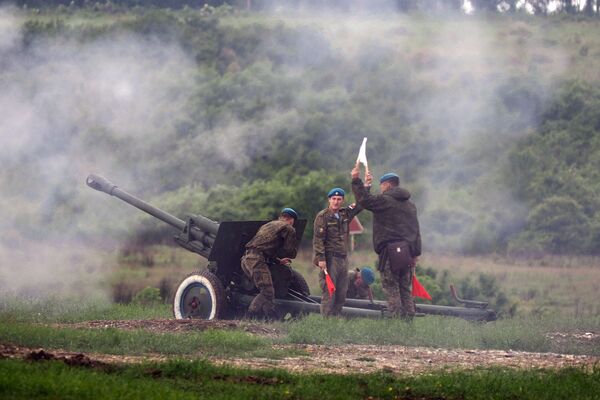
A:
(359, 281)
(396, 238)
(275, 240)
(330, 244)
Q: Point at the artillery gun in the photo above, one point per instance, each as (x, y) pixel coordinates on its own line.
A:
(223, 290)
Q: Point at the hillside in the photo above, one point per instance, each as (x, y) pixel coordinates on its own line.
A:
(491, 123)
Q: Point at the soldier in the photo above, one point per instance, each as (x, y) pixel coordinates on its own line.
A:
(274, 241)
(358, 284)
(330, 244)
(396, 238)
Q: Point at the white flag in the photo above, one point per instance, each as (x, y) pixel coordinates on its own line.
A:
(362, 154)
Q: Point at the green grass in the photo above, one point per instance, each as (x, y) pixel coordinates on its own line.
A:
(57, 309)
(200, 379)
(138, 342)
(524, 334)
(23, 323)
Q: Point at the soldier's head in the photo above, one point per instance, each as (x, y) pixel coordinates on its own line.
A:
(336, 198)
(288, 215)
(364, 277)
(388, 181)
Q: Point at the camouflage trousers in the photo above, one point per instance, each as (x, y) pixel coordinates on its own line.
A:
(255, 267)
(337, 268)
(398, 288)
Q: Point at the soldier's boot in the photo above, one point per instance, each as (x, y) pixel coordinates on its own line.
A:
(269, 312)
(253, 314)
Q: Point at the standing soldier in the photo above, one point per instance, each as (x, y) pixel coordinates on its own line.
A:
(330, 244)
(274, 241)
(396, 238)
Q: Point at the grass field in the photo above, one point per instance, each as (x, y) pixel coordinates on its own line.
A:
(199, 379)
(22, 326)
(44, 322)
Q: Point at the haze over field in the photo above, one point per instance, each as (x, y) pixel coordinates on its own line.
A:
(140, 109)
(59, 97)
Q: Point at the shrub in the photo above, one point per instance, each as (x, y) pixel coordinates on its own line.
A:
(147, 297)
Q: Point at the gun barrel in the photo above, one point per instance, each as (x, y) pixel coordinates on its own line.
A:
(102, 184)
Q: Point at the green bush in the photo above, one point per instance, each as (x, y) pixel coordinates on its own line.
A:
(149, 296)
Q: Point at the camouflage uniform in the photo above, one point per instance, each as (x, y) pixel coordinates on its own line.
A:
(330, 244)
(356, 292)
(398, 289)
(394, 220)
(275, 239)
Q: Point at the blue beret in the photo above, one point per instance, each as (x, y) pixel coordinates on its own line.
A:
(336, 192)
(290, 212)
(367, 275)
(388, 177)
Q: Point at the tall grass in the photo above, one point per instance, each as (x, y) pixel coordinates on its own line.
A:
(525, 334)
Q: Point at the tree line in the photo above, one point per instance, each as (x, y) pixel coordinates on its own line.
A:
(538, 7)
(520, 175)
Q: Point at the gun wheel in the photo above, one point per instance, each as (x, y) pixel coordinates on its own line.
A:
(200, 296)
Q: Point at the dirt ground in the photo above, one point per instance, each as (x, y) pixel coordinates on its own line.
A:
(329, 359)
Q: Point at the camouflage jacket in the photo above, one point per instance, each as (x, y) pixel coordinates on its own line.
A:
(394, 217)
(275, 239)
(331, 234)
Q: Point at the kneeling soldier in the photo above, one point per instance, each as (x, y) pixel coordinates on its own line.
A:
(358, 284)
(274, 241)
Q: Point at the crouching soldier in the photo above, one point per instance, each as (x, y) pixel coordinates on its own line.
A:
(359, 281)
(274, 241)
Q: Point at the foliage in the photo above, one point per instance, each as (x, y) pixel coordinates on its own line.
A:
(484, 287)
(271, 112)
(261, 199)
(555, 171)
(147, 297)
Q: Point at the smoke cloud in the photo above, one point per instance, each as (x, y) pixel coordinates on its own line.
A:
(67, 104)
(59, 97)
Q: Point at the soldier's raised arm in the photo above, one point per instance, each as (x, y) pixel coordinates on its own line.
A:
(367, 200)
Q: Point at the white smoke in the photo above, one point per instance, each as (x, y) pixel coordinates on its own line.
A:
(464, 63)
(67, 107)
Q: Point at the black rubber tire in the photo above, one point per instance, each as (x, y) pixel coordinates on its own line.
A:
(298, 283)
(200, 295)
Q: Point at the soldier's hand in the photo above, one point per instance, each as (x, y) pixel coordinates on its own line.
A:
(285, 261)
(368, 178)
(322, 265)
(355, 171)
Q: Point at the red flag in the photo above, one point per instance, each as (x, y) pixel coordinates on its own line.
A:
(418, 290)
(329, 282)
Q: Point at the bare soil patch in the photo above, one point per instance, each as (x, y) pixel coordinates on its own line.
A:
(342, 359)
